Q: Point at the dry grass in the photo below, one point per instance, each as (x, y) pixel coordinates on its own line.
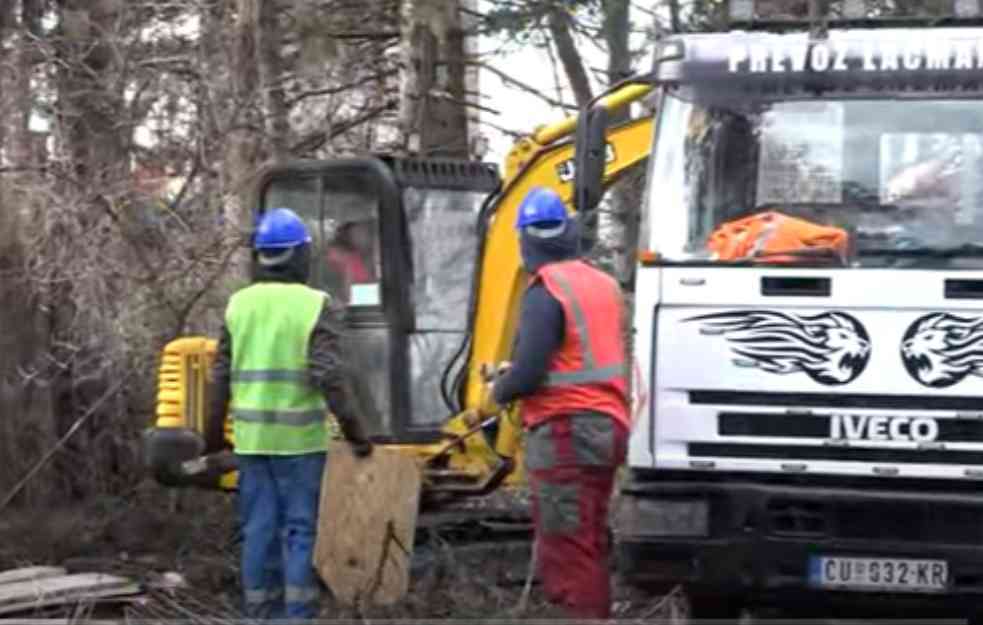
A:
(137, 535)
(127, 534)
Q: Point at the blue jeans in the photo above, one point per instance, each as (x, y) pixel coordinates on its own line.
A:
(278, 505)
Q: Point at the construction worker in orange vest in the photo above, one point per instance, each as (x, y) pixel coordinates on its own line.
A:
(569, 369)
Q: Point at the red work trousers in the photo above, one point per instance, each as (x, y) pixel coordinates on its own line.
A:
(571, 462)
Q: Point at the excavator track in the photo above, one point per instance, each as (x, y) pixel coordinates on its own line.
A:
(490, 536)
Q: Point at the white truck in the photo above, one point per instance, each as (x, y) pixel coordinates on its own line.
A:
(809, 315)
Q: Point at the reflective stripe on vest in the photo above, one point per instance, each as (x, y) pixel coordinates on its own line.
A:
(590, 372)
(275, 409)
(285, 417)
(270, 375)
(587, 372)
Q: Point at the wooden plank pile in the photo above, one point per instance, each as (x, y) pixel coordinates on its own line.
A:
(30, 588)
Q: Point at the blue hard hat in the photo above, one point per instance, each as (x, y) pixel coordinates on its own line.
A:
(279, 228)
(541, 206)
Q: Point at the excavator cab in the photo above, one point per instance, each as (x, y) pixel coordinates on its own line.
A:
(395, 241)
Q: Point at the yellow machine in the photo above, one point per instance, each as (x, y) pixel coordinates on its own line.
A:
(434, 305)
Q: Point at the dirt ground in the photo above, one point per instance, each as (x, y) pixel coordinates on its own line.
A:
(150, 532)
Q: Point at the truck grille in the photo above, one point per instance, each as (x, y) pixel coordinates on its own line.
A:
(790, 517)
(831, 400)
(849, 454)
(908, 522)
(875, 521)
(818, 426)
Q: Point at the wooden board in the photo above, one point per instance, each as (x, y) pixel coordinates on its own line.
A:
(63, 589)
(29, 573)
(367, 521)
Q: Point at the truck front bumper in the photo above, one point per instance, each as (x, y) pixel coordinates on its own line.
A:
(757, 539)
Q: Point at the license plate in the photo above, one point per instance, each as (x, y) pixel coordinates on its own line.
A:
(896, 574)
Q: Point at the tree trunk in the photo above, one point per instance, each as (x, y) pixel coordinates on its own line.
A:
(33, 419)
(93, 140)
(434, 114)
(8, 104)
(27, 148)
(91, 125)
(271, 70)
(6, 86)
(242, 155)
(617, 24)
(675, 25)
(211, 97)
(566, 49)
(626, 196)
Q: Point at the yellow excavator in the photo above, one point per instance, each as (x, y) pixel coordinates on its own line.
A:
(434, 306)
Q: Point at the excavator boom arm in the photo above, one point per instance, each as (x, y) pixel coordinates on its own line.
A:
(501, 279)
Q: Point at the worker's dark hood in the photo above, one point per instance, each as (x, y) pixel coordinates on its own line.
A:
(537, 252)
(296, 269)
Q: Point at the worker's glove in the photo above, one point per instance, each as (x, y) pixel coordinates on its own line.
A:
(361, 449)
(500, 372)
(502, 369)
(489, 374)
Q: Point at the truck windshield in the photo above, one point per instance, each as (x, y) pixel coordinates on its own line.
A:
(853, 181)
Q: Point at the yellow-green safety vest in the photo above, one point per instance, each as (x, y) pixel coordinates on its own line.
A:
(274, 407)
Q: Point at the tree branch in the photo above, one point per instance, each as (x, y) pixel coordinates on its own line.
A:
(185, 312)
(341, 88)
(512, 134)
(521, 85)
(566, 48)
(443, 95)
(316, 140)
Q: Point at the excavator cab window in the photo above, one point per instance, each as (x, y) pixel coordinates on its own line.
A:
(394, 243)
(442, 227)
(343, 226)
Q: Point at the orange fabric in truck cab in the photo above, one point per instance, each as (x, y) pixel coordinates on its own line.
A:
(775, 237)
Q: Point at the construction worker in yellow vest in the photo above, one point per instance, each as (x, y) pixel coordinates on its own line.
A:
(278, 371)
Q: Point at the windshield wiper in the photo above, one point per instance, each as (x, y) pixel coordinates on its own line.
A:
(966, 249)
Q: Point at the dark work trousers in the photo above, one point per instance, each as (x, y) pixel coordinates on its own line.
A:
(278, 504)
(571, 462)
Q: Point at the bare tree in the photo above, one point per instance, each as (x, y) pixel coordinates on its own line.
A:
(136, 196)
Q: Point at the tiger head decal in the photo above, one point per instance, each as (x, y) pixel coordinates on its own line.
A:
(832, 348)
(940, 349)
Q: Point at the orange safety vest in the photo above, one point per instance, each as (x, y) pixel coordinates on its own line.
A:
(589, 371)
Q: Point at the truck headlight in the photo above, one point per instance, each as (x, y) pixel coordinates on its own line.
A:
(652, 517)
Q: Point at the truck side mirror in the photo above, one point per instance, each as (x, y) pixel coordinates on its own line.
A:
(590, 159)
